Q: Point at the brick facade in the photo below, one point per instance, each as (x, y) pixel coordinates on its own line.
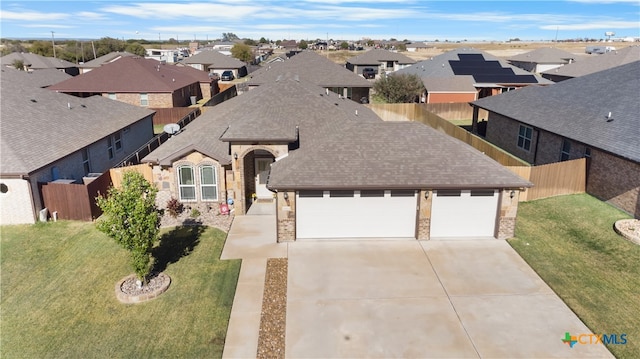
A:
(166, 180)
(423, 225)
(615, 180)
(508, 210)
(286, 216)
(178, 98)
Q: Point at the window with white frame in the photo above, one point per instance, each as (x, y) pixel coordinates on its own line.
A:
(208, 183)
(144, 99)
(186, 183)
(566, 150)
(525, 134)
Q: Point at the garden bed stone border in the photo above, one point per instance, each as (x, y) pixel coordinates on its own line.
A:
(123, 297)
(629, 229)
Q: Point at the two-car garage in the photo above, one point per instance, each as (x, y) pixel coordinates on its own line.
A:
(356, 214)
(394, 213)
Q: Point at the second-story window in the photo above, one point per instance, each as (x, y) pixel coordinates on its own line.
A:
(144, 99)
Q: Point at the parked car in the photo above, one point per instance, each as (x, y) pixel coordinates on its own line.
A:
(369, 73)
(227, 76)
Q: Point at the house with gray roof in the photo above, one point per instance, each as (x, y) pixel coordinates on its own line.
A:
(317, 69)
(46, 136)
(467, 74)
(141, 82)
(33, 62)
(593, 116)
(594, 63)
(333, 169)
(215, 62)
(383, 61)
(542, 59)
(104, 59)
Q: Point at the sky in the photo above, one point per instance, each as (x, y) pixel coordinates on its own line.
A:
(320, 19)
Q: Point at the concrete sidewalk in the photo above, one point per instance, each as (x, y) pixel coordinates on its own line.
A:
(251, 238)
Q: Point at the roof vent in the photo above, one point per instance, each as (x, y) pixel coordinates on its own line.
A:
(356, 112)
(609, 118)
(69, 105)
(33, 100)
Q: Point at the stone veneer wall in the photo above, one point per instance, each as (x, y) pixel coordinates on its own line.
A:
(507, 214)
(615, 180)
(286, 216)
(423, 225)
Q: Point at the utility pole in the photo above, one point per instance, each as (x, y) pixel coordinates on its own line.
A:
(53, 43)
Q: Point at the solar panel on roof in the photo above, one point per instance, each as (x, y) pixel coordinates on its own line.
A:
(487, 71)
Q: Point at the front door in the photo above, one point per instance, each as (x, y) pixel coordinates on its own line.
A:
(263, 167)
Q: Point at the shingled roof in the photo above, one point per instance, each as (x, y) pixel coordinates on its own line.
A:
(40, 126)
(311, 67)
(391, 155)
(596, 63)
(215, 59)
(578, 108)
(47, 77)
(545, 55)
(104, 59)
(376, 56)
(133, 74)
(36, 62)
(342, 144)
(484, 67)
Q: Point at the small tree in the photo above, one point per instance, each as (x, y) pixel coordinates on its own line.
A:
(242, 52)
(399, 88)
(303, 45)
(344, 45)
(132, 219)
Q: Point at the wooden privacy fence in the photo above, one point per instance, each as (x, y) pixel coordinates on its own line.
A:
(420, 113)
(554, 179)
(75, 201)
(118, 173)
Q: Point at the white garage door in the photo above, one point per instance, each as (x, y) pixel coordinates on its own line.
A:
(356, 214)
(460, 214)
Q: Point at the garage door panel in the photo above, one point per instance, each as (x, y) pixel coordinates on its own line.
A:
(355, 217)
(471, 214)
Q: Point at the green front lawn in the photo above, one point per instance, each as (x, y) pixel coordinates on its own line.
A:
(570, 242)
(58, 298)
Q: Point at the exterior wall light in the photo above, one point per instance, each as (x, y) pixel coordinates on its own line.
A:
(426, 194)
(512, 194)
(235, 155)
(286, 196)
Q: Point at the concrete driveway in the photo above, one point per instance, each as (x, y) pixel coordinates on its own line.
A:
(433, 299)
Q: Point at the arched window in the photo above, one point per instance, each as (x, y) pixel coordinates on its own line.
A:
(208, 183)
(186, 183)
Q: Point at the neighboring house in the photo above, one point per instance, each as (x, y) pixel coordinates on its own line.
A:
(317, 69)
(141, 82)
(335, 169)
(594, 63)
(593, 116)
(542, 59)
(417, 46)
(33, 62)
(47, 77)
(289, 45)
(48, 136)
(168, 56)
(383, 61)
(222, 46)
(466, 74)
(104, 59)
(214, 62)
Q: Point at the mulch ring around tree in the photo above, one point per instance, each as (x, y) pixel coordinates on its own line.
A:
(129, 291)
